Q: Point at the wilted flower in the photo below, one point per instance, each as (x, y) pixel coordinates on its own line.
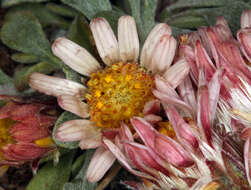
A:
(214, 48)
(25, 132)
(112, 94)
(203, 153)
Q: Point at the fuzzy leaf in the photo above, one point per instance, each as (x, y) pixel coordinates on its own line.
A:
(6, 85)
(66, 116)
(8, 3)
(52, 177)
(23, 32)
(200, 12)
(80, 182)
(24, 58)
(61, 10)
(44, 15)
(89, 7)
(144, 13)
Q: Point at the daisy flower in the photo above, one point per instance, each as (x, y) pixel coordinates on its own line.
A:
(116, 90)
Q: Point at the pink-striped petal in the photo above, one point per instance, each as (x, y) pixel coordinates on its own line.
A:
(162, 145)
(128, 39)
(55, 86)
(75, 130)
(123, 160)
(186, 92)
(162, 55)
(151, 118)
(186, 135)
(214, 87)
(204, 61)
(140, 157)
(244, 37)
(100, 163)
(152, 107)
(247, 159)
(176, 73)
(246, 19)
(105, 40)
(153, 38)
(203, 112)
(76, 57)
(74, 104)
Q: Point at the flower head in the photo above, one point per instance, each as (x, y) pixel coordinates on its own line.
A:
(218, 85)
(112, 94)
(25, 130)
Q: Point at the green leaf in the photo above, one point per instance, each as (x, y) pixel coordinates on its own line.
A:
(80, 182)
(6, 85)
(61, 10)
(23, 32)
(144, 13)
(52, 177)
(89, 7)
(77, 165)
(192, 15)
(188, 22)
(71, 75)
(8, 3)
(24, 58)
(66, 116)
(79, 32)
(182, 4)
(21, 77)
(44, 15)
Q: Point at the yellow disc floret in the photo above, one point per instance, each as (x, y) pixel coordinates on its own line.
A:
(5, 137)
(118, 93)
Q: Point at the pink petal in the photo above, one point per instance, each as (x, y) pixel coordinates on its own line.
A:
(246, 133)
(176, 73)
(74, 105)
(141, 158)
(23, 151)
(76, 57)
(55, 86)
(183, 131)
(125, 133)
(232, 54)
(214, 87)
(162, 145)
(190, 58)
(123, 160)
(128, 39)
(100, 163)
(162, 55)
(170, 100)
(186, 92)
(105, 40)
(244, 37)
(203, 115)
(204, 61)
(246, 19)
(152, 107)
(247, 159)
(151, 118)
(152, 40)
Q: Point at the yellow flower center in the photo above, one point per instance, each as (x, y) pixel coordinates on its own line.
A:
(166, 128)
(5, 137)
(118, 93)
